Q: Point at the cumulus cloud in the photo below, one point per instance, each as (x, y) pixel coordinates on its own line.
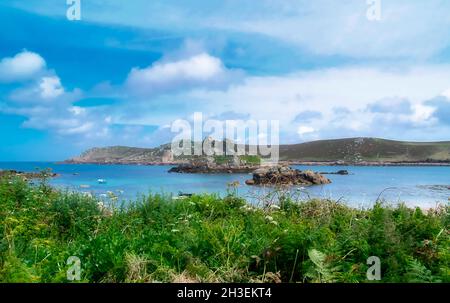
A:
(44, 101)
(45, 89)
(347, 101)
(50, 87)
(335, 102)
(200, 70)
(302, 130)
(23, 66)
(441, 109)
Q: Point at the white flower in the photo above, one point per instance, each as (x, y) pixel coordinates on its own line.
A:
(269, 218)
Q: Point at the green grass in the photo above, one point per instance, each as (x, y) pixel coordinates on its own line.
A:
(251, 160)
(211, 239)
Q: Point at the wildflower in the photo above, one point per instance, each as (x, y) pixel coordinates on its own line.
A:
(269, 218)
(274, 207)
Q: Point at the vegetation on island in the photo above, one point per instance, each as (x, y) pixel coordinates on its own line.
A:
(206, 238)
(345, 151)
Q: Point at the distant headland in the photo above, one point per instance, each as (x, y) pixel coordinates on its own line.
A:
(349, 151)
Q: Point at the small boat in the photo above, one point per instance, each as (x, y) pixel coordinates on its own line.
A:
(101, 181)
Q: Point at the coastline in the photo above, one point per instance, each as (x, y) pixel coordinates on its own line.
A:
(290, 162)
(366, 163)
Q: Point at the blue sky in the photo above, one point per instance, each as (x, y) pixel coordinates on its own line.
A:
(124, 72)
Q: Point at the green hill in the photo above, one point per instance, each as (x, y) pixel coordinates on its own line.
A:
(351, 150)
(367, 149)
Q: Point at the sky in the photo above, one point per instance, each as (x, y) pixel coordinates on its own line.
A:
(128, 69)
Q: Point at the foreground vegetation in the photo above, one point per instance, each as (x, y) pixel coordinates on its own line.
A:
(211, 239)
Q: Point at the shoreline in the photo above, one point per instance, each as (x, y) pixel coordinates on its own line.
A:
(366, 163)
(305, 163)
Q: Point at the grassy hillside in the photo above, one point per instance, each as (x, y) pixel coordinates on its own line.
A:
(211, 239)
(348, 150)
(121, 154)
(366, 149)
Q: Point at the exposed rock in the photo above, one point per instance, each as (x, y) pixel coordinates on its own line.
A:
(167, 156)
(28, 175)
(250, 182)
(211, 168)
(342, 172)
(283, 175)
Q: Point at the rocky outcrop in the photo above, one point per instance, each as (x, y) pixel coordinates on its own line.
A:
(28, 175)
(211, 168)
(341, 172)
(284, 175)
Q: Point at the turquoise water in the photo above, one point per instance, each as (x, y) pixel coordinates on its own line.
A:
(416, 186)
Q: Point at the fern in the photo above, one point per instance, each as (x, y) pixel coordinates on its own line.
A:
(321, 272)
(418, 273)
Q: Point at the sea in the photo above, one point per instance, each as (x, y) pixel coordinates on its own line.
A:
(416, 186)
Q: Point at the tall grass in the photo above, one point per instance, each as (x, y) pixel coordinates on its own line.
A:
(211, 239)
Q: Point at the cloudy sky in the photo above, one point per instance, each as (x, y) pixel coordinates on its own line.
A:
(124, 72)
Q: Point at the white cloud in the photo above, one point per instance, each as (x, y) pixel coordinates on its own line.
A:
(80, 129)
(322, 90)
(352, 88)
(23, 66)
(410, 29)
(44, 101)
(302, 130)
(50, 87)
(169, 76)
(44, 90)
(446, 93)
(200, 67)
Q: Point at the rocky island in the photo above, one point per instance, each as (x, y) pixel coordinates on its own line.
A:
(284, 175)
(338, 152)
(191, 168)
(28, 175)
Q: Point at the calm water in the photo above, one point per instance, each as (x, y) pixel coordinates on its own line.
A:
(416, 186)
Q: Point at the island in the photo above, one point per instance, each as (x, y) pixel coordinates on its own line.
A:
(337, 152)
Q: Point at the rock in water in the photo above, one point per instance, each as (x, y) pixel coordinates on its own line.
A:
(342, 172)
(211, 168)
(283, 175)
